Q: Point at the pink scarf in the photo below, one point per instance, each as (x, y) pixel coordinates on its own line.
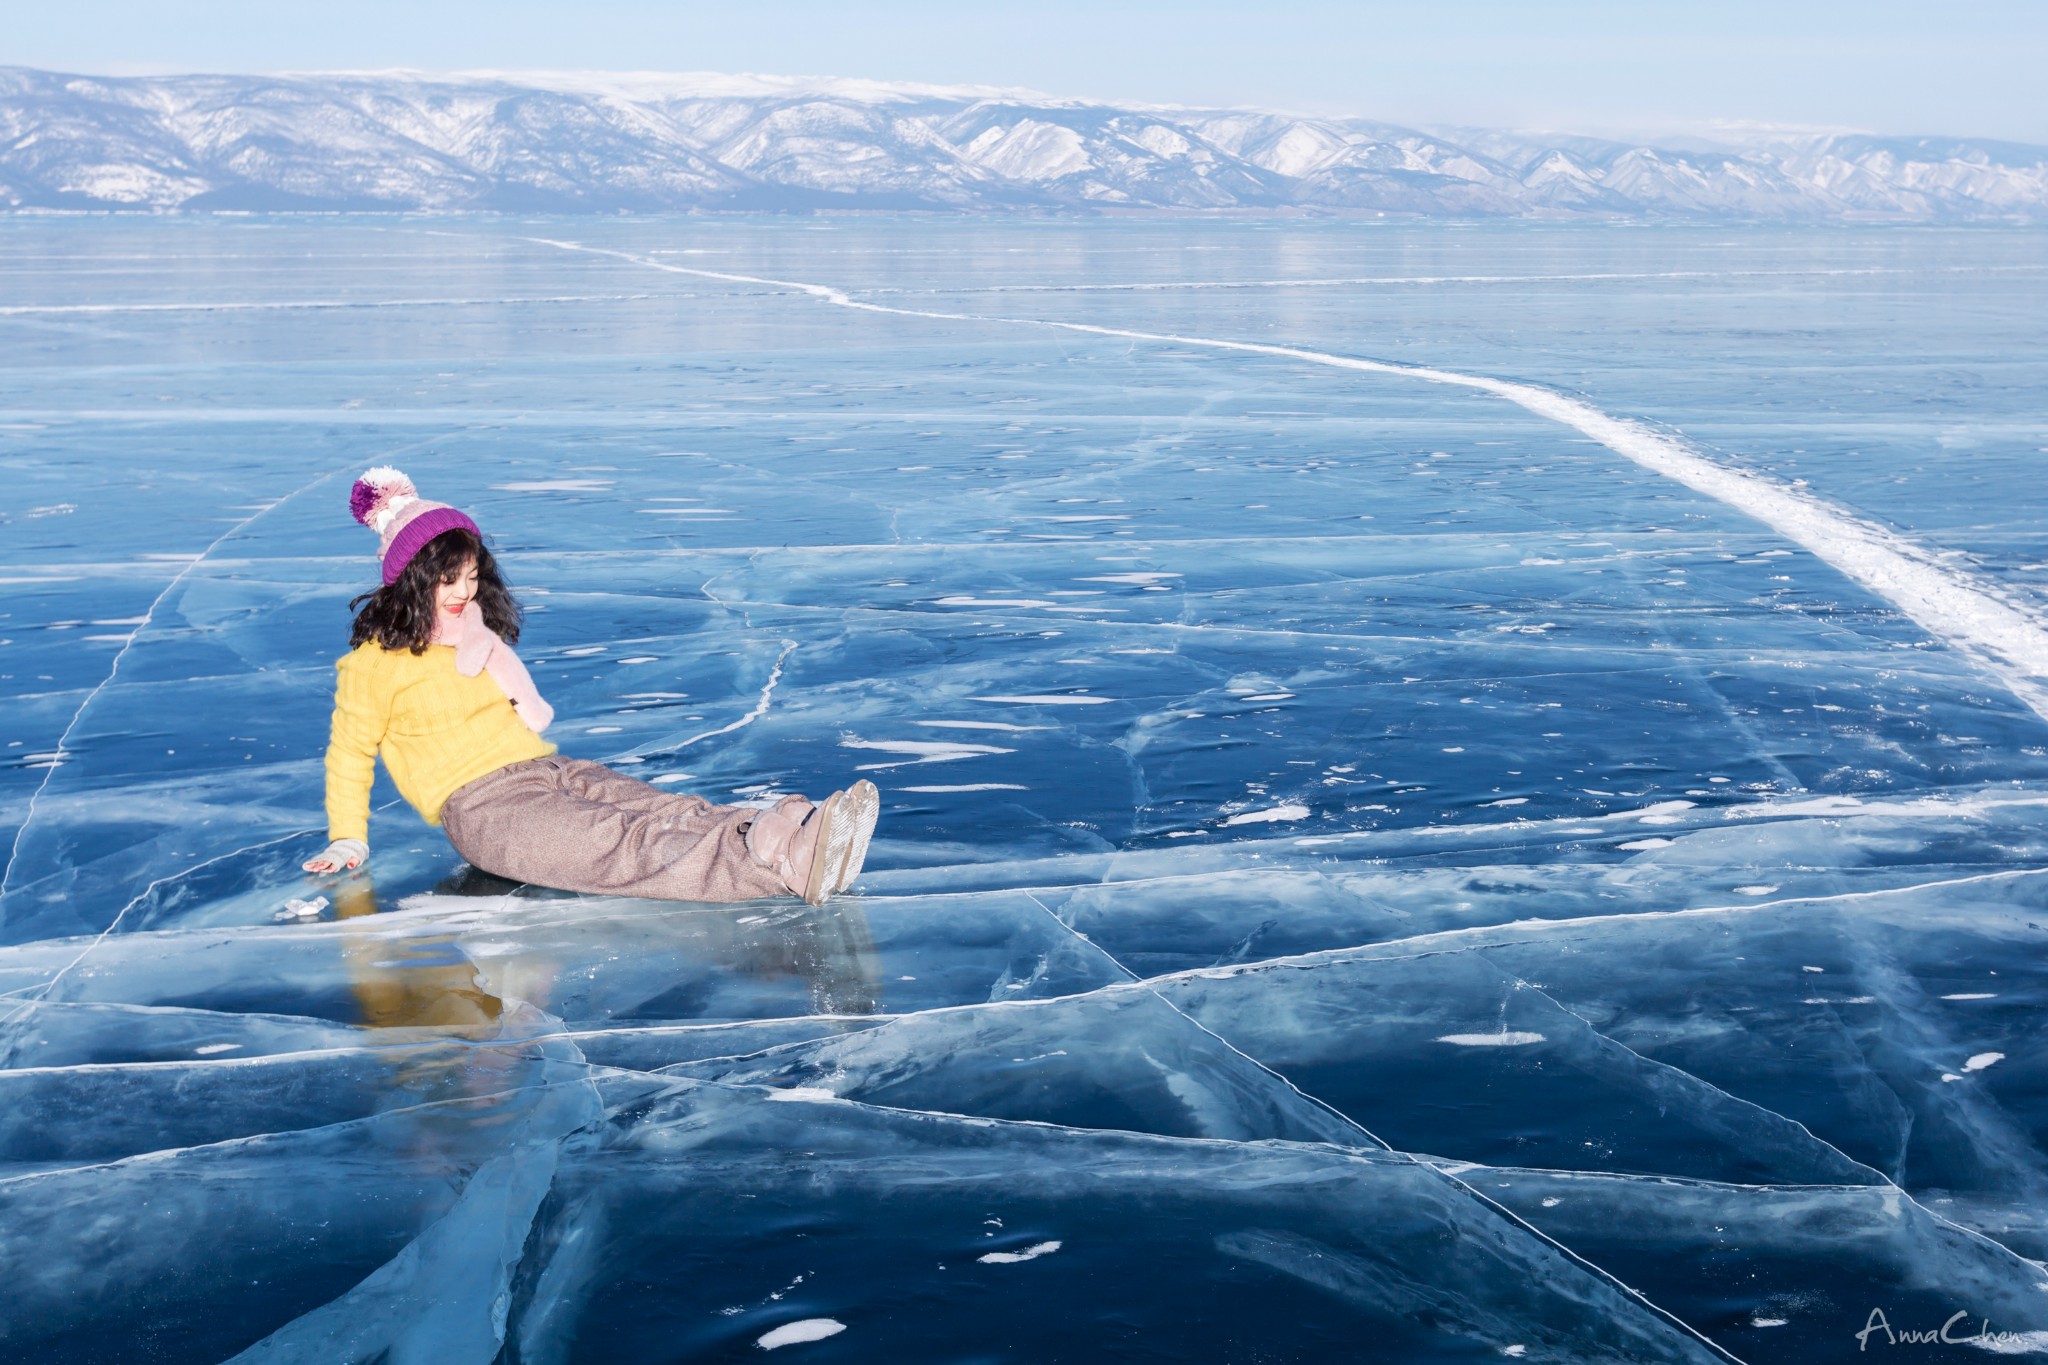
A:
(479, 650)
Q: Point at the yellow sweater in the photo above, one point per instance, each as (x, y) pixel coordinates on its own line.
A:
(435, 728)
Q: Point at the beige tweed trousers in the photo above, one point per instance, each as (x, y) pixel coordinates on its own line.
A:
(578, 826)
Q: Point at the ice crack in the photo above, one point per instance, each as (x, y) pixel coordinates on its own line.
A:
(1976, 617)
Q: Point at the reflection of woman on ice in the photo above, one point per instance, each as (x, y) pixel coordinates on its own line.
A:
(433, 686)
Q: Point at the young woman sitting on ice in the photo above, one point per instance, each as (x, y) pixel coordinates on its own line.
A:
(433, 686)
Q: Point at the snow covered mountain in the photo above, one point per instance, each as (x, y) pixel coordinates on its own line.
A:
(404, 141)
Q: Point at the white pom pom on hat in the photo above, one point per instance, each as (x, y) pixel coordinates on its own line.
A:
(379, 494)
(387, 502)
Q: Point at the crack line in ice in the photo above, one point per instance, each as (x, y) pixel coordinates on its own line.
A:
(114, 669)
(1503, 1210)
(1681, 1071)
(760, 710)
(479, 1100)
(1446, 941)
(1971, 614)
(1336, 281)
(288, 305)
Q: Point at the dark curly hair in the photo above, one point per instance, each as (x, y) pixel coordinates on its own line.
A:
(400, 615)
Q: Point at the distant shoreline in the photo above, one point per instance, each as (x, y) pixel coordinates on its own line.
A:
(509, 145)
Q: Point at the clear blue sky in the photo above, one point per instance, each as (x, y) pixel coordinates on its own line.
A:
(1972, 67)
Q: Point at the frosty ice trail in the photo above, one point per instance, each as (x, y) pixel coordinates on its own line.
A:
(2005, 637)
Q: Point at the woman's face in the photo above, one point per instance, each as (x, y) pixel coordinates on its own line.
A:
(453, 594)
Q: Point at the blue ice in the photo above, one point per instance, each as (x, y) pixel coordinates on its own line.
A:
(1478, 793)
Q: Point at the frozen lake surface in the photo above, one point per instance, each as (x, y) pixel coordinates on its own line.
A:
(1540, 857)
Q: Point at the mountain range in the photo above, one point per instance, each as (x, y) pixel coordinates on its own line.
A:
(404, 141)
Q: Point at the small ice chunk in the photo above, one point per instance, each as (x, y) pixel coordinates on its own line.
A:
(1768, 1322)
(1030, 1253)
(306, 909)
(1504, 1038)
(1972, 995)
(1754, 890)
(1982, 1060)
(813, 1094)
(791, 1333)
(211, 1048)
(1637, 845)
(1039, 699)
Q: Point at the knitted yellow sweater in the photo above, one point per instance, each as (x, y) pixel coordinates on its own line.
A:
(435, 728)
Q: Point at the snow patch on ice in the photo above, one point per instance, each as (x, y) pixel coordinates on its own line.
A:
(810, 1329)
(920, 751)
(1291, 810)
(990, 602)
(1030, 1253)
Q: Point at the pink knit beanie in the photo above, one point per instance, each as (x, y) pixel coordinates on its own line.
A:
(385, 501)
